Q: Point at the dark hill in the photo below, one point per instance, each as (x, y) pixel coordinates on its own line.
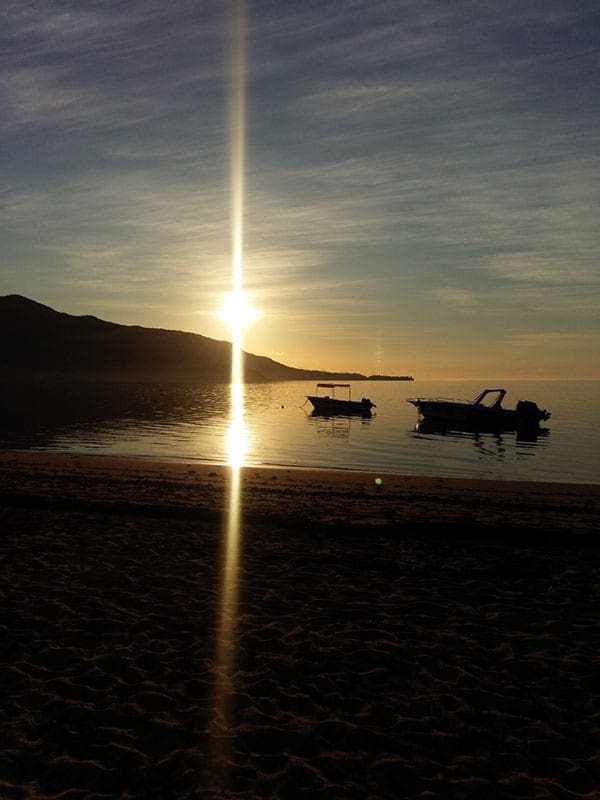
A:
(37, 341)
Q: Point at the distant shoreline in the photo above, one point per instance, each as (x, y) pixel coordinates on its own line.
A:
(37, 376)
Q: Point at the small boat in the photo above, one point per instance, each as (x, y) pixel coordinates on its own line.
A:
(478, 415)
(329, 405)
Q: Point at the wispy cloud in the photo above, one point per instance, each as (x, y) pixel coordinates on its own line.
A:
(558, 339)
(546, 269)
(461, 299)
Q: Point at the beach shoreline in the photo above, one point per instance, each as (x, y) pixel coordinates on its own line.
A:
(422, 638)
(288, 495)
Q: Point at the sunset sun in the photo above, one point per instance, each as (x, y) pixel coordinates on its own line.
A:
(237, 311)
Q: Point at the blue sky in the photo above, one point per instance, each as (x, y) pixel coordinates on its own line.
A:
(421, 189)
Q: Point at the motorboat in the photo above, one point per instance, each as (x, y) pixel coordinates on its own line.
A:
(485, 412)
(330, 405)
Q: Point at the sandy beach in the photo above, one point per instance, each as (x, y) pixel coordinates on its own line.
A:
(410, 638)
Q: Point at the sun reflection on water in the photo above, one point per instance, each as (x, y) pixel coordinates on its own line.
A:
(237, 441)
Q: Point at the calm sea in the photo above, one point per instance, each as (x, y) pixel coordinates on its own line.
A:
(191, 423)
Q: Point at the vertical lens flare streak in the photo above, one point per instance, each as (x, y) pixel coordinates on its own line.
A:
(236, 313)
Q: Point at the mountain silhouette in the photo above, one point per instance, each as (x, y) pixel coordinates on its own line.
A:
(37, 341)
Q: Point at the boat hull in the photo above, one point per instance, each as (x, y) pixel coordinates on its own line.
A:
(330, 406)
(525, 433)
(467, 414)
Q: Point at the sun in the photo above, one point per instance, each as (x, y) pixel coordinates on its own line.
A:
(237, 311)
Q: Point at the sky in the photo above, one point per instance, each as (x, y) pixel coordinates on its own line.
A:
(421, 178)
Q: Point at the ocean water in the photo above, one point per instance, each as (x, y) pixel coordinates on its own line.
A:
(192, 423)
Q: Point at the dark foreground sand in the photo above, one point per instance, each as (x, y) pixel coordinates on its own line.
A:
(426, 638)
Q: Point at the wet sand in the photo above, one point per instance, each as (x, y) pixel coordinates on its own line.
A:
(423, 638)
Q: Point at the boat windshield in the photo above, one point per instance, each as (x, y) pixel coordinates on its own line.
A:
(490, 398)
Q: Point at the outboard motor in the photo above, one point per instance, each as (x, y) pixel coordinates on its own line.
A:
(529, 415)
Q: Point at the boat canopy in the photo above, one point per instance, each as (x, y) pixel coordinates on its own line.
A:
(332, 385)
